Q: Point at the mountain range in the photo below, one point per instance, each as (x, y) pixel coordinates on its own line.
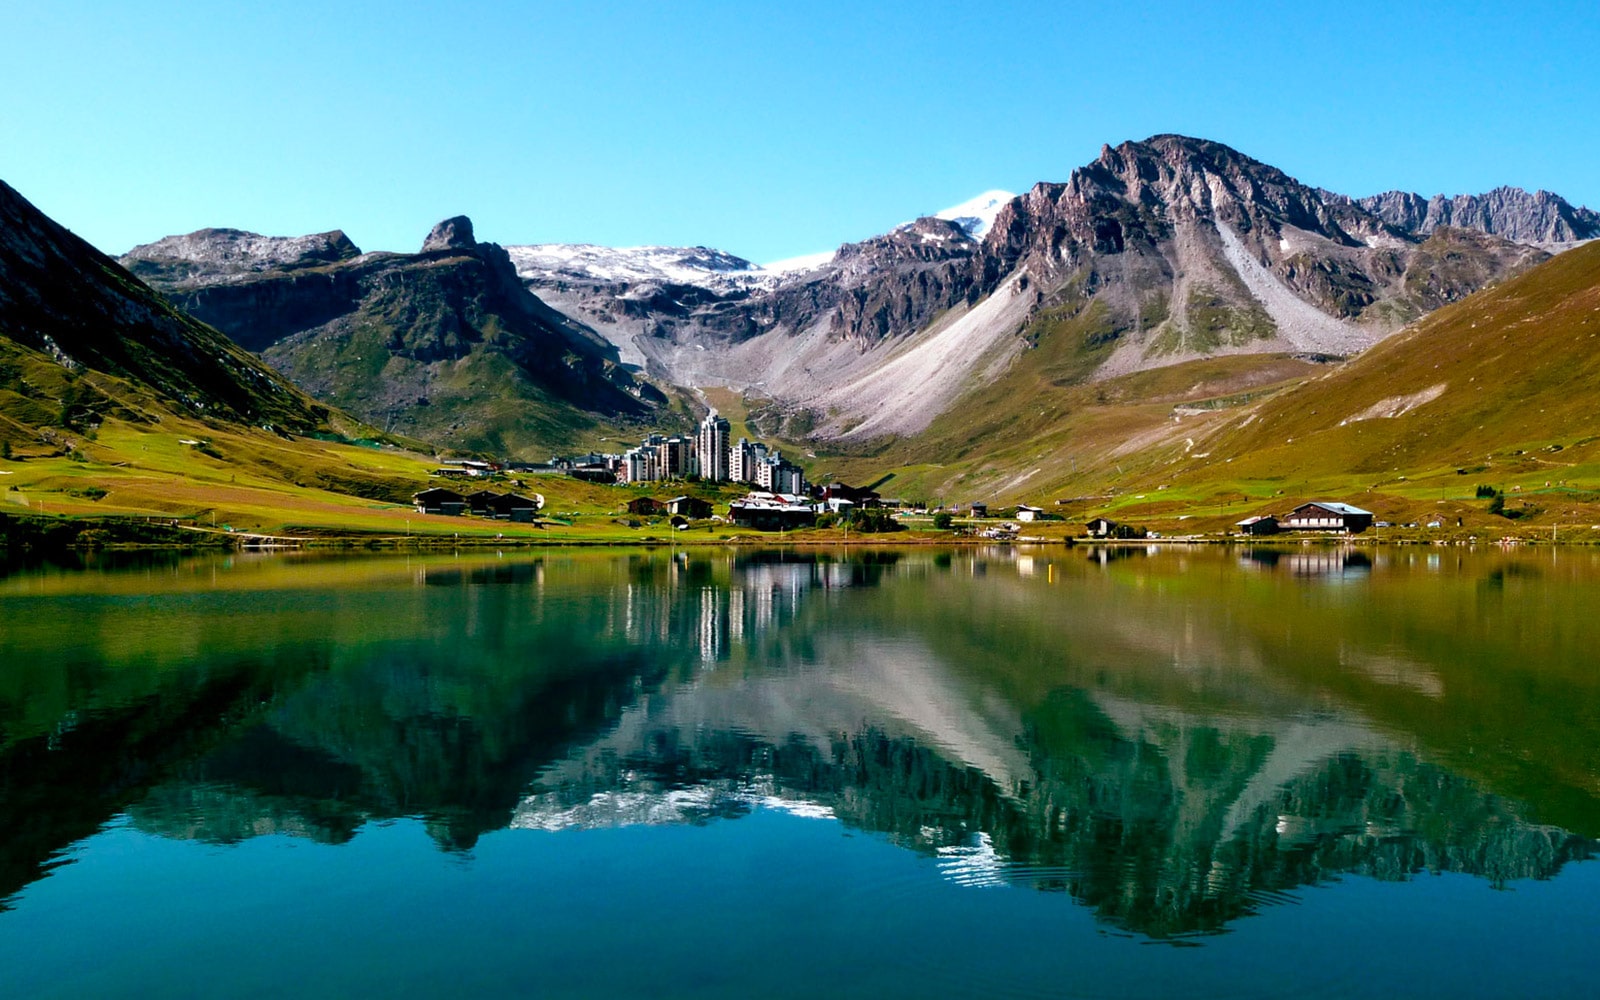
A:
(1008, 344)
(1158, 253)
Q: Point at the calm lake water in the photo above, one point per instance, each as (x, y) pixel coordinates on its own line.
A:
(998, 772)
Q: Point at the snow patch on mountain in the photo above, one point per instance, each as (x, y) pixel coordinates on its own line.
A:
(797, 265)
(700, 266)
(976, 215)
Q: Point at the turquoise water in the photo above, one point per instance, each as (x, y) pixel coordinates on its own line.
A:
(863, 773)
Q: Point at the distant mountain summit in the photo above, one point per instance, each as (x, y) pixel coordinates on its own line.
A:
(204, 256)
(1509, 212)
(976, 215)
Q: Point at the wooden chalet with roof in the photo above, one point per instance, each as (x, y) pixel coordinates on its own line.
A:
(693, 508)
(438, 500)
(1328, 515)
(515, 507)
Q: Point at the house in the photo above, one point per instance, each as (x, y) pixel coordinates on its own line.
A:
(1262, 524)
(515, 507)
(772, 511)
(478, 503)
(1327, 515)
(438, 500)
(836, 505)
(1026, 513)
(693, 508)
(1102, 527)
(646, 506)
(980, 510)
(860, 496)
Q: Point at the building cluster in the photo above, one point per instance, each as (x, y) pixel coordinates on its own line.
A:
(708, 453)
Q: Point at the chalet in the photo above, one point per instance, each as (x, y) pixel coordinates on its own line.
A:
(1026, 513)
(772, 511)
(514, 507)
(693, 508)
(646, 506)
(472, 466)
(1326, 515)
(980, 510)
(479, 502)
(438, 500)
(1102, 527)
(860, 496)
(1264, 524)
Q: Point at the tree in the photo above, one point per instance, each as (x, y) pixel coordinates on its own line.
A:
(942, 521)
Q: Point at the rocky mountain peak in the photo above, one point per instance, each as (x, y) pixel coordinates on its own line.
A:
(451, 234)
(234, 252)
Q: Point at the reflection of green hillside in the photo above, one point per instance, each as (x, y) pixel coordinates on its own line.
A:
(1170, 745)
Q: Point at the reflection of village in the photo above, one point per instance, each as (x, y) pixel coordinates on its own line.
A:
(875, 688)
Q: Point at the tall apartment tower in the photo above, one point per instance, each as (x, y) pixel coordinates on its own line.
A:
(713, 447)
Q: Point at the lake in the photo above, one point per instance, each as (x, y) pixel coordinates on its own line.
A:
(1098, 772)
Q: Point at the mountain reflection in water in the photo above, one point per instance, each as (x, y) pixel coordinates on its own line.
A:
(1174, 739)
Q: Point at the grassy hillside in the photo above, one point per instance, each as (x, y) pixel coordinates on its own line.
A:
(62, 297)
(1504, 383)
(1498, 390)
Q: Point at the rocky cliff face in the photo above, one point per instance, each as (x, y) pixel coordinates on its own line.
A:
(1539, 218)
(1192, 249)
(60, 296)
(445, 344)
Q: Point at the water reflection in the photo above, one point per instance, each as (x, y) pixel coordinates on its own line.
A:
(1174, 739)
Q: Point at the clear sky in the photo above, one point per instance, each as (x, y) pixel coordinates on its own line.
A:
(764, 129)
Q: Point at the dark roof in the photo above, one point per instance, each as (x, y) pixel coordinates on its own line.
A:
(436, 493)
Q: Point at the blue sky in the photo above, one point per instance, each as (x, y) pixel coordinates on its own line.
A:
(767, 130)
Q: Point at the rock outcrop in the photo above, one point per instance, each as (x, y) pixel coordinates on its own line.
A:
(451, 234)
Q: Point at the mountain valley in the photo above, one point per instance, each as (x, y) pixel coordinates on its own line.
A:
(1153, 321)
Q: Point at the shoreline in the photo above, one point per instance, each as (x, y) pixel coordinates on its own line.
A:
(44, 534)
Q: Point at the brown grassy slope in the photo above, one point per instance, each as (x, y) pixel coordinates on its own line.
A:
(1511, 369)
